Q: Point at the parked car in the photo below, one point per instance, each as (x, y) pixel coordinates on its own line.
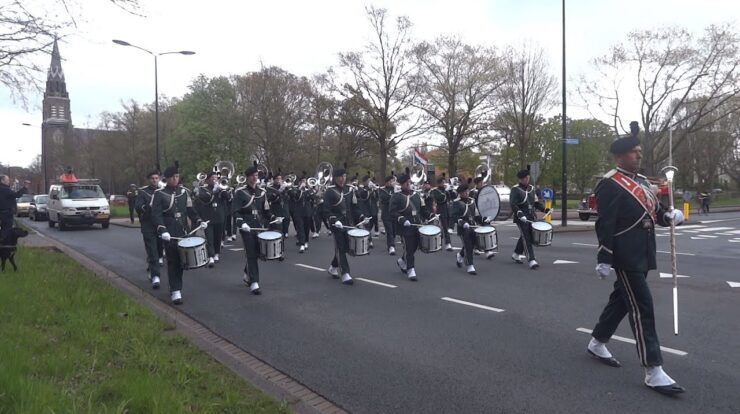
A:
(23, 204)
(39, 208)
(82, 202)
(118, 200)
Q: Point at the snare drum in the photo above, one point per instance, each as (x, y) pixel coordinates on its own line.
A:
(541, 233)
(192, 252)
(271, 245)
(486, 238)
(359, 242)
(430, 239)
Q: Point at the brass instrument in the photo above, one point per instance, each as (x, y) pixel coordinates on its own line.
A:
(224, 170)
(324, 173)
(417, 176)
(484, 172)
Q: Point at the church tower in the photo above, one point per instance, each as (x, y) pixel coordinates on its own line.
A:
(57, 146)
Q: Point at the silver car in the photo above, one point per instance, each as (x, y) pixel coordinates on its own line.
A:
(38, 210)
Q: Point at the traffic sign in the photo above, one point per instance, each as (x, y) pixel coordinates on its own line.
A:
(534, 170)
(571, 141)
(548, 194)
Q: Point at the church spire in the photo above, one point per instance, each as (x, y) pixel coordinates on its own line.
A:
(55, 84)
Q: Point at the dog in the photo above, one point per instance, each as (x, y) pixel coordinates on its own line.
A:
(9, 246)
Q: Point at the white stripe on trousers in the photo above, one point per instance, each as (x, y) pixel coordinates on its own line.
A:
(639, 332)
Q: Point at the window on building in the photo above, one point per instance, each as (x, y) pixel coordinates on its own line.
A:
(53, 111)
(60, 112)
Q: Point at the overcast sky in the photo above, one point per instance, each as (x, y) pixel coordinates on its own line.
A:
(304, 37)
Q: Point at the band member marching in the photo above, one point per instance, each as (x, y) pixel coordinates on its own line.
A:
(465, 214)
(252, 210)
(301, 207)
(364, 207)
(384, 196)
(407, 209)
(171, 207)
(208, 203)
(441, 200)
(524, 202)
(338, 209)
(153, 245)
(628, 212)
(373, 207)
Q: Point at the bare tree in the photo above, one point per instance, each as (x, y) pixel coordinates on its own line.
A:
(673, 70)
(27, 29)
(383, 78)
(457, 84)
(528, 92)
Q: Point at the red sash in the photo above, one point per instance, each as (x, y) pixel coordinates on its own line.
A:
(637, 191)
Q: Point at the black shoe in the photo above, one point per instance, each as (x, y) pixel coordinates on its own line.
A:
(673, 389)
(349, 282)
(257, 292)
(611, 361)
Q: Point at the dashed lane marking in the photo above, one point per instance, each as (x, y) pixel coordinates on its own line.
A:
(632, 341)
(708, 229)
(670, 275)
(236, 250)
(683, 254)
(475, 305)
(586, 244)
(733, 284)
(563, 262)
(311, 267)
(375, 282)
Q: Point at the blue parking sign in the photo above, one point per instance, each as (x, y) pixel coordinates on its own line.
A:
(547, 193)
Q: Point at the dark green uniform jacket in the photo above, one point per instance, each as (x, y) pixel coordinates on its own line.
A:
(407, 206)
(171, 208)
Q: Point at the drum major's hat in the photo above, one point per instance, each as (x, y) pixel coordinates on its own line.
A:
(170, 171)
(522, 173)
(403, 178)
(339, 172)
(625, 144)
(250, 171)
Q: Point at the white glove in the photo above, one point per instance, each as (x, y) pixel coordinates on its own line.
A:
(279, 220)
(406, 223)
(338, 225)
(548, 211)
(203, 225)
(603, 269)
(245, 227)
(466, 226)
(487, 220)
(675, 215)
(166, 236)
(523, 219)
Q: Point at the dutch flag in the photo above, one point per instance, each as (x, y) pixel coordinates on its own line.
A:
(419, 158)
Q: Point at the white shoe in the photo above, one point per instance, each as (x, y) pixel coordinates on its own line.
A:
(302, 249)
(599, 349)
(382, 231)
(245, 279)
(392, 251)
(471, 270)
(255, 288)
(490, 255)
(459, 259)
(232, 238)
(412, 274)
(450, 230)
(216, 258)
(176, 297)
(517, 258)
(334, 271)
(401, 264)
(477, 252)
(286, 235)
(533, 264)
(161, 261)
(347, 279)
(305, 246)
(211, 262)
(155, 282)
(448, 247)
(223, 244)
(315, 235)
(656, 377)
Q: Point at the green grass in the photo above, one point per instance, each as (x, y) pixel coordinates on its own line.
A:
(119, 211)
(70, 343)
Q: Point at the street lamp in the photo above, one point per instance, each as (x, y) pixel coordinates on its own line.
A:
(156, 90)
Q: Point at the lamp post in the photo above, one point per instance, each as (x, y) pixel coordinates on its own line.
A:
(564, 207)
(156, 90)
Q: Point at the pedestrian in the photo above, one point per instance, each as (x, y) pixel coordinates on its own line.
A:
(131, 195)
(8, 205)
(628, 212)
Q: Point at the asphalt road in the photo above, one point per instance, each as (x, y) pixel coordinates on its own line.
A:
(405, 347)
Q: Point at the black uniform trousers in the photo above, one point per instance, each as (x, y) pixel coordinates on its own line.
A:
(632, 296)
(6, 224)
(374, 222)
(131, 211)
(390, 231)
(444, 221)
(229, 226)
(303, 228)
(252, 249)
(152, 246)
(410, 246)
(316, 222)
(341, 247)
(467, 236)
(214, 236)
(524, 244)
(174, 265)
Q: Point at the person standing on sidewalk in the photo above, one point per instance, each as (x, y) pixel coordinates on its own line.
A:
(628, 212)
(131, 195)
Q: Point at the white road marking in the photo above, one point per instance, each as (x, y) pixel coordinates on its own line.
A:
(236, 250)
(707, 236)
(311, 267)
(563, 262)
(708, 229)
(682, 227)
(362, 279)
(662, 235)
(698, 238)
(733, 284)
(632, 341)
(717, 221)
(586, 244)
(733, 232)
(734, 241)
(670, 275)
(685, 254)
(475, 305)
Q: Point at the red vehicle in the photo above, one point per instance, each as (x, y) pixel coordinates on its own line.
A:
(587, 208)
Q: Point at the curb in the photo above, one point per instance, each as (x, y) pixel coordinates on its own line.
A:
(263, 376)
(125, 224)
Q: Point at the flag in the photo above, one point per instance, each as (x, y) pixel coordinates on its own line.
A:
(419, 158)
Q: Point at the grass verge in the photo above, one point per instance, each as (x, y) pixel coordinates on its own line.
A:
(119, 211)
(70, 343)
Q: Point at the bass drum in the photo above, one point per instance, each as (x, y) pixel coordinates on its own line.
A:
(488, 202)
(504, 193)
